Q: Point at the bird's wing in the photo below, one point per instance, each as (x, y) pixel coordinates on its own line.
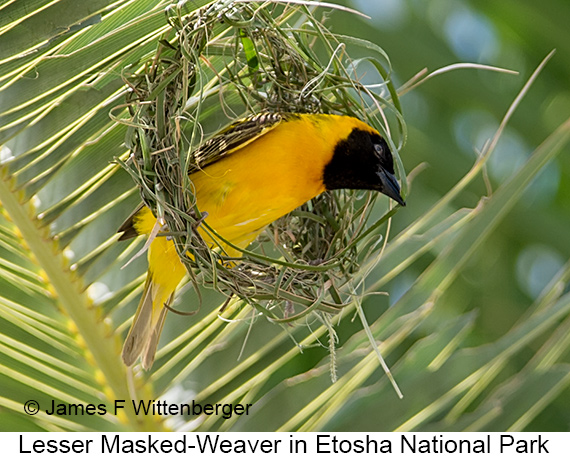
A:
(233, 138)
(127, 228)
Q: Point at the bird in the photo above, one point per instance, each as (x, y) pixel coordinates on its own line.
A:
(248, 175)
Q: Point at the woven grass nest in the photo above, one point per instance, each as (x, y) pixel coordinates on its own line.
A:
(231, 59)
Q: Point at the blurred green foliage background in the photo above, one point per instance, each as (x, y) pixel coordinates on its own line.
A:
(449, 119)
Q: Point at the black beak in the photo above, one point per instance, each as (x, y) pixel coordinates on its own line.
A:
(390, 186)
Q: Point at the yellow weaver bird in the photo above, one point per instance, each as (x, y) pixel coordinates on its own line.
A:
(249, 175)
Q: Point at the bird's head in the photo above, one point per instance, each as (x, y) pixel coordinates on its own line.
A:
(363, 160)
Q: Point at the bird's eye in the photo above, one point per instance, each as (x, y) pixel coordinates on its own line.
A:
(379, 150)
(382, 151)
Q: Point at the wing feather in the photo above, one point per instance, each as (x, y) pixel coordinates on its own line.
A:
(233, 138)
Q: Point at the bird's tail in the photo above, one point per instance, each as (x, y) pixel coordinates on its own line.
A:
(164, 274)
(147, 324)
